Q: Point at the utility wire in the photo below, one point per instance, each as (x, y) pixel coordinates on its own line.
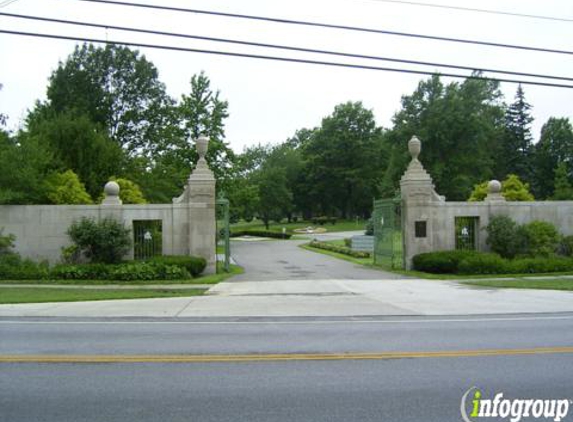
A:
(330, 26)
(281, 59)
(280, 47)
(6, 3)
(471, 9)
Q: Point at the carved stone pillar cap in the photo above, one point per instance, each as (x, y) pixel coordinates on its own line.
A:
(111, 192)
(414, 147)
(494, 186)
(111, 188)
(202, 144)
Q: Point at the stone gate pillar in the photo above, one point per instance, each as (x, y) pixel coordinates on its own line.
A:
(200, 196)
(418, 196)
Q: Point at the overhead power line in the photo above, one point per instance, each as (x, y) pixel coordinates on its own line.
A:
(6, 3)
(471, 9)
(330, 26)
(278, 58)
(281, 47)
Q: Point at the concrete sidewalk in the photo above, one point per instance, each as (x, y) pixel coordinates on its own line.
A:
(302, 298)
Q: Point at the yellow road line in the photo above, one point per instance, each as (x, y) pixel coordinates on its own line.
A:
(275, 357)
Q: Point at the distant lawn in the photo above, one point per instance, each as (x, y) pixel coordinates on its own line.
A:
(523, 283)
(340, 226)
(203, 279)
(40, 295)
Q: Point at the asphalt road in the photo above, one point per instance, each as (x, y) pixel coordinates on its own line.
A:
(284, 260)
(334, 387)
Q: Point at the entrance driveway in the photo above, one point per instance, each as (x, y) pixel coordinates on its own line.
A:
(270, 260)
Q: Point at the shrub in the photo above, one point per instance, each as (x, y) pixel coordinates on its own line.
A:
(81, 272)
(504, 236)
(369, 229)
(348, 242)
(541, 237)
(6, 242)
(441, 262)
(105, 241)
(13, 267)
(539, 265)
(483, 263)
(128, 271)
(66, 188)
(71, 254)
(339, 249)
(323, 220)
(261, 233)
(193, 264)
(566, 246)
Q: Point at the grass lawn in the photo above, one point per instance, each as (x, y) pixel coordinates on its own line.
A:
(39, 295)
(523, 283)
(340, 226)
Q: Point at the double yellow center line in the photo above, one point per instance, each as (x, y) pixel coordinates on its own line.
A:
(277, 357)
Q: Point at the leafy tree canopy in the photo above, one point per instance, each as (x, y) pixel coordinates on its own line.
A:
(512, 189)
(555, 146)
(77, 144)
(458, 124)
(342, 159)
(118, 89)
(563, 188)
(66, 189)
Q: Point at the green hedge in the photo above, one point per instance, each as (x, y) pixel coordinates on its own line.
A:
(194, 264)
(14, 267)
(473, 262)
(261, 233)
(442, 262)
(339, 249)
(128, 271)
(323, 220)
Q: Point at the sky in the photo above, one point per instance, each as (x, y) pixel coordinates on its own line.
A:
(270, 100)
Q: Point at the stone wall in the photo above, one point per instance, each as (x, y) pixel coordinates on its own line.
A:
(188, 224)
(421, 204)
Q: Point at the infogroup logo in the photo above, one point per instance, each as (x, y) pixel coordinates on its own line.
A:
(512, 409)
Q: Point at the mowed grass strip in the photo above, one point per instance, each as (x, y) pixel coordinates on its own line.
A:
(40, 295)
(524, 283)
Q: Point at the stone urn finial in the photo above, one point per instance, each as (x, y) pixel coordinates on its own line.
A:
(202, 144)
(414, 147)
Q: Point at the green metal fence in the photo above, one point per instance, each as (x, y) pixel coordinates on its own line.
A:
(387, 219)
(223, 235)
(147, 238)
(466, 233)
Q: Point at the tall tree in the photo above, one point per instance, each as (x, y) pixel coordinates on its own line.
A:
(3, 117)
(275, 199)
(117, 88)
(342, 160)
(202, 112)
(458, 124)
(25, 163)
(555, 146)
(515, 150)
(563, 188)
(77, 144)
